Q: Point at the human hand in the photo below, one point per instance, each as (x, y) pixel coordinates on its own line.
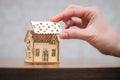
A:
(93, 28)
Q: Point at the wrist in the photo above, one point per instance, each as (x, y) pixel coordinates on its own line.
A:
(113, 46)
(107, 43)
(117, 47)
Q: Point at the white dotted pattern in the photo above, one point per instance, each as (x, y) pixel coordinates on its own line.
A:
(46, 27)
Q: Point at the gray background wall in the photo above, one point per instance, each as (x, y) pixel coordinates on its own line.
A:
(15, 17)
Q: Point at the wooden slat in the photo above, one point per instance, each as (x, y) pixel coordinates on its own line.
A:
(59, 73)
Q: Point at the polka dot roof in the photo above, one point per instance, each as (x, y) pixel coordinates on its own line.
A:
(46, 27)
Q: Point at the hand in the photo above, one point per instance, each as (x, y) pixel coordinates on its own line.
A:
(92, 27)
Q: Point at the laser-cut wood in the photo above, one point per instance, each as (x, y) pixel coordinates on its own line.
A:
(44, 39)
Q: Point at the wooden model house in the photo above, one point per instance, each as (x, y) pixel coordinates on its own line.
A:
(42, 44)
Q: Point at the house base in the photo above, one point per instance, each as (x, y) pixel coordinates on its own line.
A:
(42, 62)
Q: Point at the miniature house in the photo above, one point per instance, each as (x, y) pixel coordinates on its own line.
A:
(41, 43)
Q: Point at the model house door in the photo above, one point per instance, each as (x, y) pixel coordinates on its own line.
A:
(45, 55)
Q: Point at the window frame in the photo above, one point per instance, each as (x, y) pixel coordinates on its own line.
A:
(53, 52)
(37, 52)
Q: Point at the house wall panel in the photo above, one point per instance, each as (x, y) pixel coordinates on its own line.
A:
(28, 53)
(48, 47)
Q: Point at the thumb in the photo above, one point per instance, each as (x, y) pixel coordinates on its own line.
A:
(72, 34)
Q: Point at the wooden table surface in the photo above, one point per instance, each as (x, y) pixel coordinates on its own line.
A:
(19, 63)
(16, 69)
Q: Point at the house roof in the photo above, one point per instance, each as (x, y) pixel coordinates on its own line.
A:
(46, 27)
(44, 38)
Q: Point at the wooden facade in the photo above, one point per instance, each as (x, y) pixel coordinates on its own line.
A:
(41, 48)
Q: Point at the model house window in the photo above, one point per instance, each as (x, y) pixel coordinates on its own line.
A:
(28, 41)
(53, 42)
(53, 52)
(37, 52)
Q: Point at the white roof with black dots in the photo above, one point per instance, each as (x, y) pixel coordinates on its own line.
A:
(46, 27)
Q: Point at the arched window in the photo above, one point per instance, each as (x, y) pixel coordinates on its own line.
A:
(45, 55)
(53, 42)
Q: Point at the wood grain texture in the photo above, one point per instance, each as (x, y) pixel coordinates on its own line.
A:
(16, 69)
(60, 74)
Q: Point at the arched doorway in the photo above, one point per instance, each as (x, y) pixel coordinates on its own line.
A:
(45, 55)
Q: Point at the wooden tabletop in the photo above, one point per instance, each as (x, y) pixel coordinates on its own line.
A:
(19, 63)
(16, 69)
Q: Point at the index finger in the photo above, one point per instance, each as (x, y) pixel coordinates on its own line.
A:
(68, 13)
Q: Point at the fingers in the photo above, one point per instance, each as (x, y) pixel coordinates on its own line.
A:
(74, 22)
(71, 11)
(72, 34)
(68, 23)
(58, 17)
